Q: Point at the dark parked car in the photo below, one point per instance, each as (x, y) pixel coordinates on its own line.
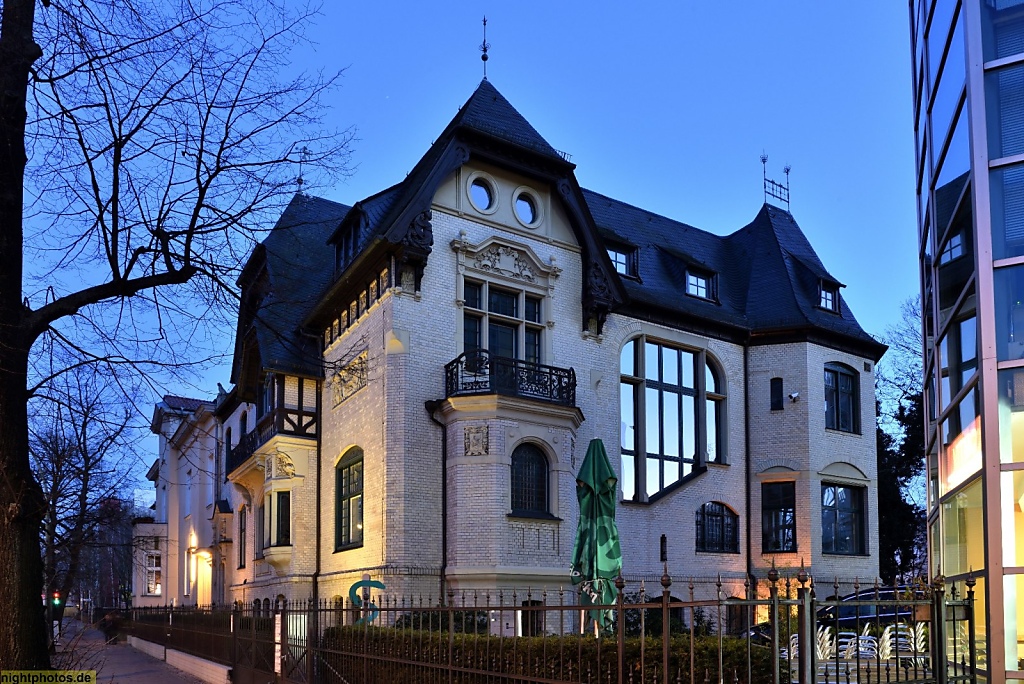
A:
(883, 606)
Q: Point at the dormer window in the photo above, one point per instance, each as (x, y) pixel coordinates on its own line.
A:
(829, 299)
(624, 260)
(700, 284)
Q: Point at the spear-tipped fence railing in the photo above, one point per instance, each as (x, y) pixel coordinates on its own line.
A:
(779, 631)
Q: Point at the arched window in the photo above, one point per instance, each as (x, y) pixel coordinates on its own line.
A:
(243, 427)
(842, 398)
(718, 528)
(348, 500)
(529, 480)
(672, 413)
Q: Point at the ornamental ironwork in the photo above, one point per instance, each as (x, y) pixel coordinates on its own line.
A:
(480, 372)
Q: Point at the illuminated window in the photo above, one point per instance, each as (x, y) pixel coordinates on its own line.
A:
(778, 517)
(699, 285)
(154, 580)
(348, 505)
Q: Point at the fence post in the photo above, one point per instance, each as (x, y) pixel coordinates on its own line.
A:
(451, 630)
(620, 620)
(939, 661)
(666, 582)
(972, 648)
(234, 634)
(773, 617)
(805, 630)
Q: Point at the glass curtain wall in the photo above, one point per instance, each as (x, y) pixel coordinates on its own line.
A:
(968, 80)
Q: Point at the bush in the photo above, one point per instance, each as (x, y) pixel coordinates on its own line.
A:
(372, 655)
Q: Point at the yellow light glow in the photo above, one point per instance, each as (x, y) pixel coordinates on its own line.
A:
(963, 456)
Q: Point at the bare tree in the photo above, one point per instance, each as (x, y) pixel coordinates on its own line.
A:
(162, 136)
(82, 449)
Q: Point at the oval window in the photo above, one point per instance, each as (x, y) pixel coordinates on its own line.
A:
(526, 208)
(481, 194)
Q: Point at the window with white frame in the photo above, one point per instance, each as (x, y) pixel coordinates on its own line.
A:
(672, 403)
(503, 321)
(829, 297)
(623, 259)
(154, 572)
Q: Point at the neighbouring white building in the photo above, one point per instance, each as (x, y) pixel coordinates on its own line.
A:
(417, 377)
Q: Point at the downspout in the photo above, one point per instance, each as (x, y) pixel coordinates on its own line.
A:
(747, 465)
(319, 490)
(432, 406)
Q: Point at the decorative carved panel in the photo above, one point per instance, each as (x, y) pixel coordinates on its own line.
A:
(349, 379)
(477, 440)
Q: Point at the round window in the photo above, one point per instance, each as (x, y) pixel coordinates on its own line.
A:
(481, 193)
(526, 208)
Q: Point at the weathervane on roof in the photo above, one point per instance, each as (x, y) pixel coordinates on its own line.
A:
(483, 48)
(772, 188)
(303, 156)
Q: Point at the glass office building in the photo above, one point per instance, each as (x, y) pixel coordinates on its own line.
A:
(968, 75)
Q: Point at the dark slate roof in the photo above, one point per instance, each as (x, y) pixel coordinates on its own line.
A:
(768, 275)
(488, 112)
(177, 403)
(300, 266)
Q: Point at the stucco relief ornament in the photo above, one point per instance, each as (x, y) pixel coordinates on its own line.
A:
(421, 233)
(477, 440)
(506, 261)
(285, 467)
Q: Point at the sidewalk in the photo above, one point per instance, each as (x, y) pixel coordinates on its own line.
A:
(82, 648)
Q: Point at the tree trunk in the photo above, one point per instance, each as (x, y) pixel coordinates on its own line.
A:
(22, 629)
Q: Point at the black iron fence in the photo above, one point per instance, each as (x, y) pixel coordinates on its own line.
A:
(480, 372)
(780, 633)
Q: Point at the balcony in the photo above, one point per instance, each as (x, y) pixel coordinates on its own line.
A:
(282, 421)
(478, 372)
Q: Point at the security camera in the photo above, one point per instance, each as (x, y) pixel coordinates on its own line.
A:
(794, 396)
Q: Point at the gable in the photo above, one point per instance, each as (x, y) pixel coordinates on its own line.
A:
(454, 196)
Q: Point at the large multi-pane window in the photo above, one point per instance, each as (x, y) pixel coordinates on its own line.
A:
(529, 480)
(718, 528)
(841, 398)
(348, 505)
(154, 580)
(778, 517)
(503, 321)
(672, 406)
(842, 519)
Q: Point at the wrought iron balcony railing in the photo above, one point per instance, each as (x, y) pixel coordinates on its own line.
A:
(295, 422)
(479, 372)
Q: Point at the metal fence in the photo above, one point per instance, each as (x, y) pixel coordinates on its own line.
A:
(780, 633)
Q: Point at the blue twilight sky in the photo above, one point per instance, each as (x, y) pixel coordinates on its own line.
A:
(665, 105)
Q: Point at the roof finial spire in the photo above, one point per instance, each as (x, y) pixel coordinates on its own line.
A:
(774, 189)
(303, 156)
(484, 47)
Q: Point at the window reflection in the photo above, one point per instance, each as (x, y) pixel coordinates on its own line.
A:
(963, 543)
(680, 417)
(1011, 417)
(949, 88)
(1002, 28)
(1009, 287)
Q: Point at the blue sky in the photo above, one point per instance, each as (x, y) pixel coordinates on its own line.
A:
(667, 106)
(664, 105)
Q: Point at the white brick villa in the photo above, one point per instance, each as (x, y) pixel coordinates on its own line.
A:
(417, 377)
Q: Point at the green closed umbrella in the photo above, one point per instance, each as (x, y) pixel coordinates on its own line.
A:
(596, 555)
